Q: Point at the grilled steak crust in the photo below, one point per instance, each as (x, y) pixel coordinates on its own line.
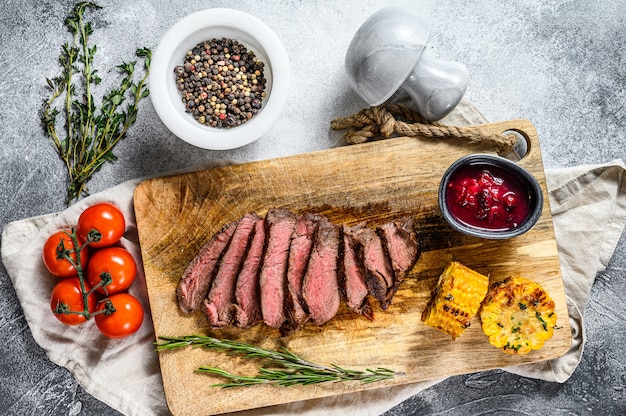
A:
(280, 224)
(379, 275)
(196, 280)
(299, 252)
(354, 286)
(320, 286)
(247, 297)
(218, 306)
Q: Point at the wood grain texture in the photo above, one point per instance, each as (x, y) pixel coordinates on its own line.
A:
(373, 182)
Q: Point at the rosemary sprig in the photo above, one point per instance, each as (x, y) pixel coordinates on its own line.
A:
(89, 135)
(284, 367)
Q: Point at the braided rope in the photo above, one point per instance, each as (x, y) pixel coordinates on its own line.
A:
(382, 121)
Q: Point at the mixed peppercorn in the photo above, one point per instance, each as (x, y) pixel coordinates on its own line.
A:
(222, 83)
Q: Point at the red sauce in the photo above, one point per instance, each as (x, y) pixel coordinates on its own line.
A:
(487, 197)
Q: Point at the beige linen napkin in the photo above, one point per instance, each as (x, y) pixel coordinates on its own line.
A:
(589, 210)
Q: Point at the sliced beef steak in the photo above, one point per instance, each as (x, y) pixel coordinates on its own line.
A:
(379, 275)
(280, 224)
(286, 269)
(247, 297)
(218, 306)
(299, 252)
(197, 278)
(355, 287)
(320, 286)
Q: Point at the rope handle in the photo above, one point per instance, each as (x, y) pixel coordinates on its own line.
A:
(384, 121)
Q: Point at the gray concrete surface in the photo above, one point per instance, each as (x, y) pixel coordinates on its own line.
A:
(560, 64)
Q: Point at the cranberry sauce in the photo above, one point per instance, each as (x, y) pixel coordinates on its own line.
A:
(487, 197)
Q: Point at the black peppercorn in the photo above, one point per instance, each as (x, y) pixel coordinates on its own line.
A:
(221, 82)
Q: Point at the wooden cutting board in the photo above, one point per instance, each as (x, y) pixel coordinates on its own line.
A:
(373, 182)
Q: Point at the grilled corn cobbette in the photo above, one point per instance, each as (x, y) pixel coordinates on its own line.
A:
(517, 315)
(456, 299)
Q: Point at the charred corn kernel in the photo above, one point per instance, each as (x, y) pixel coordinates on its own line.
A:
(456, 299)
(517, 315)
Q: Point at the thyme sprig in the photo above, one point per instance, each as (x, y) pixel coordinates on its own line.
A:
(284, 368)
(90, 134)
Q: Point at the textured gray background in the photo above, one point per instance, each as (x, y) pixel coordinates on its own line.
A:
(560, 64)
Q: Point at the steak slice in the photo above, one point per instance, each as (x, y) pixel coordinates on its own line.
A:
(299, 252)
(280, 224)
(400, 240)
(355, 287)
(196, 280)
(218, 306)
(247, 298)
(379, 275)
(320, 286)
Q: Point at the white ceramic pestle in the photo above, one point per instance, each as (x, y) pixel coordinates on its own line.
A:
(387, 54)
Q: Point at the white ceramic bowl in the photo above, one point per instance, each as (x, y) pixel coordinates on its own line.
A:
(216, 24)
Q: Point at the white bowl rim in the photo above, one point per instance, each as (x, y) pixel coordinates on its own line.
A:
(187, 128)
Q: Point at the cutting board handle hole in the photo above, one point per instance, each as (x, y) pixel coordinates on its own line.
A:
(521, 147)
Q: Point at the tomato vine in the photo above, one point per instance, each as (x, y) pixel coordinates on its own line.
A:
(64, 253)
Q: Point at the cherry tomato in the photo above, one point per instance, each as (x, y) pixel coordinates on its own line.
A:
(118, 263)
(126, 319)
(68, 295)
(107, 219)
(52, 249)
